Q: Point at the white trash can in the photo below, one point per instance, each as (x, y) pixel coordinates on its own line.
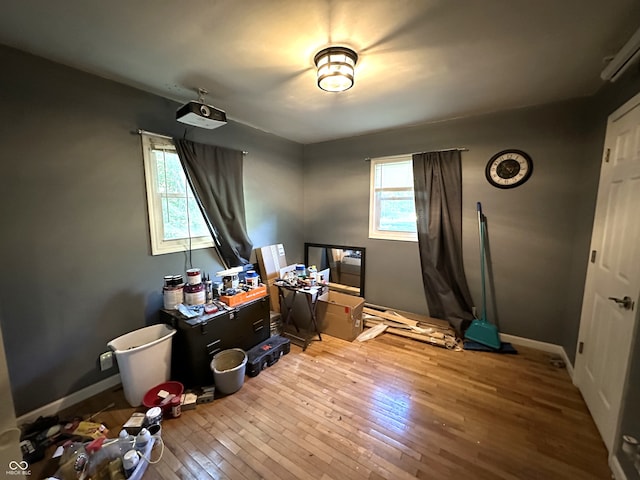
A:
(144, 359)
(228, 369)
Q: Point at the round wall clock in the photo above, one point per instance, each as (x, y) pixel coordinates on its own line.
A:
(509, 168)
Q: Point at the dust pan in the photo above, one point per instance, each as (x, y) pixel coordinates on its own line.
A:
(480, 330)
(483, 332)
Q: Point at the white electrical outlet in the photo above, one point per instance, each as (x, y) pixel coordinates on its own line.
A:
(106, 361)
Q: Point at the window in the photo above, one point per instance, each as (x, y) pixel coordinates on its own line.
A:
(175, 221)
(392, 213)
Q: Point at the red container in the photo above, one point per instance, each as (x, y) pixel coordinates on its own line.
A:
(151, 398)
(176, 407)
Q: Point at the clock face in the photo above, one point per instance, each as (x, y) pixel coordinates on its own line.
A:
(509, 168)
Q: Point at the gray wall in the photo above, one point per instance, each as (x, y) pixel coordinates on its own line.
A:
(538, 233)
(76, 267)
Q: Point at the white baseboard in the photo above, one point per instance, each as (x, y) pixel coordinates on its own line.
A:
(616, 469)
(54, 407)
(542, 346)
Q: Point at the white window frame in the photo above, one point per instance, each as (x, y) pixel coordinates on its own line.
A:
(160, 246)
(374, 213)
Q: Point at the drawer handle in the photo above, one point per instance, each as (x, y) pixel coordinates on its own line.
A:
(213, 347)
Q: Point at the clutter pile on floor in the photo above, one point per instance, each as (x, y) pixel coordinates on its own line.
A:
(82, 449)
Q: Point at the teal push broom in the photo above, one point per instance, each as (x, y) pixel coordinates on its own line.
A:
(481, 331)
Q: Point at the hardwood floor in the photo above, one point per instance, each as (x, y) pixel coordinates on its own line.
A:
(390, 408)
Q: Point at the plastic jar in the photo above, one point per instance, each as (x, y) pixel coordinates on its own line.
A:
(252, 278)
(301, 271)
(153, 415)
(176, 407)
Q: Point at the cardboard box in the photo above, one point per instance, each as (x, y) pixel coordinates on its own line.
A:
(340, 315)
(270, 260)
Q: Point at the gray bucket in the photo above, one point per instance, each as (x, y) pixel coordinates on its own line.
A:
(228, 369)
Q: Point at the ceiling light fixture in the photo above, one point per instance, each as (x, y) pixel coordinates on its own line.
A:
(335, 68)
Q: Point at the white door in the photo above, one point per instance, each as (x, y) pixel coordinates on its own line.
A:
(612, 287)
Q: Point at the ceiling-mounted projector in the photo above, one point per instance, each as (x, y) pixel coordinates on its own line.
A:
(199, 114)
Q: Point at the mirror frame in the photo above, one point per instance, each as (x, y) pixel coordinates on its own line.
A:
(343, 247)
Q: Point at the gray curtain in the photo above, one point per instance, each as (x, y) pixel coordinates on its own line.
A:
(437, 178)
(215, 175)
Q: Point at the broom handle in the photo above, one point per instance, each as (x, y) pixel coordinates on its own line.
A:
(481, 233)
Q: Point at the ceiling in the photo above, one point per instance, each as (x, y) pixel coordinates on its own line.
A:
(419, 60)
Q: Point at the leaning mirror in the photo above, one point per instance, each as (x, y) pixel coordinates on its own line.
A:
(344, 265)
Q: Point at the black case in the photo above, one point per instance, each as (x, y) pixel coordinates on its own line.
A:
(266, 354)
(198, 339)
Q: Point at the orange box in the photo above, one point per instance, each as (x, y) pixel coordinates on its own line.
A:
(244, 297)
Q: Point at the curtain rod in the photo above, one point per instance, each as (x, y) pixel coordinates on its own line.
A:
(459, 149)
(145, 132)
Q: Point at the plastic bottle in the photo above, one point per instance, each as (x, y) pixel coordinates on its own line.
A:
(142, 439)
(313, 273)
(130, 461)
(125, 441)
(208, 288)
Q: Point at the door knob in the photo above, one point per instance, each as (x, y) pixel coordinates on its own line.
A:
(625, 302)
